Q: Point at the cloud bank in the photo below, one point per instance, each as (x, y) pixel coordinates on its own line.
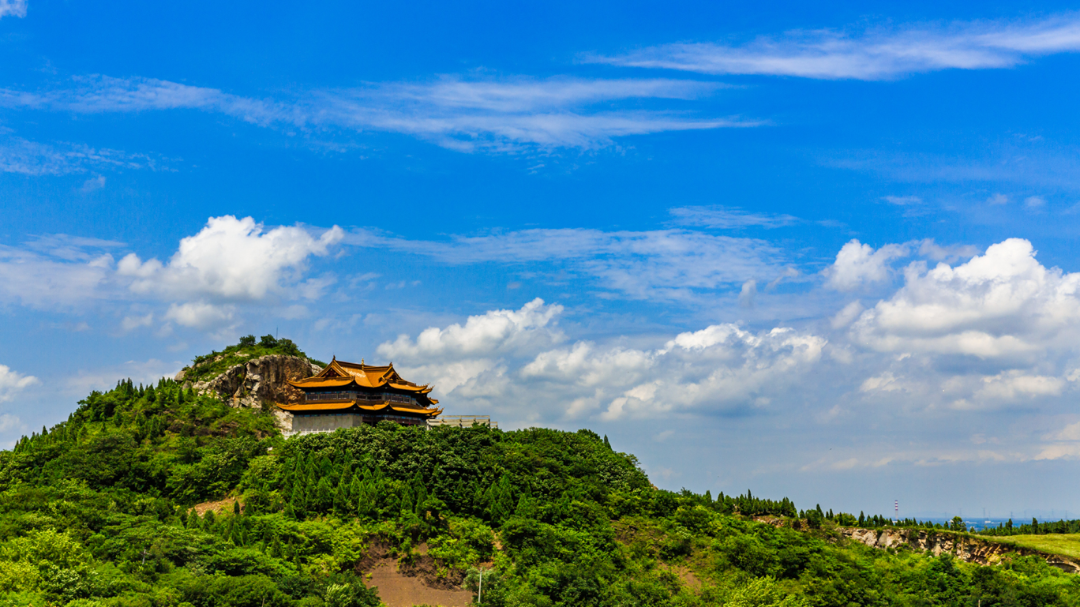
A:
(513, 356)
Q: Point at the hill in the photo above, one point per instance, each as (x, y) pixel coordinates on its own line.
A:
(161, 496)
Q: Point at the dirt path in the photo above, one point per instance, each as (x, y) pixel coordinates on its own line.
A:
(399, 590)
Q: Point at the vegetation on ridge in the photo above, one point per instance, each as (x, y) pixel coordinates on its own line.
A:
(98, 511)
(209, 366)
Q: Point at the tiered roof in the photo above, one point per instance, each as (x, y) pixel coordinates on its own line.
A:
(341, 375)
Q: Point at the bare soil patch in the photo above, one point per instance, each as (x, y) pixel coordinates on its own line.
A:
(397, 589)
(219, 507)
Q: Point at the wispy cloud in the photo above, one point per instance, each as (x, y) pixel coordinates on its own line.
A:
(19, 155)
(659, 264)
(1030, 165)
(504, 114)
(875, 54)
(724, 218)
(12, 8)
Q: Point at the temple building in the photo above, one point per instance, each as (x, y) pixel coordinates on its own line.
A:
(344, 395)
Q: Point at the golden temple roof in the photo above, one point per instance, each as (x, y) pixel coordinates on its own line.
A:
(340, 373)
(342, 405)
(343, 375)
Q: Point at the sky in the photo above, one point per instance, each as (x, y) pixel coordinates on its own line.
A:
(822, 252)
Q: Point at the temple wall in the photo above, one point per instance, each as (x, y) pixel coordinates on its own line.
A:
(302, 424)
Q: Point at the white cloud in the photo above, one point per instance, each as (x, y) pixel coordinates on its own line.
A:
(229, 262)
(848, 314)
(726, 218)
(58, 272)
(1015, 384)
(748, 293)
(455, 355)
(505, 114)
(876, 54)
(93, 184)
(200, 315)
(659, 264)
(495, 332)
(903, 201)
(25, 157)
(886, 382)
(510, 361)
(1034, 202)
(12, 8)
(720, 369)
(10, 423)
(1070, 432)
(858, 264)
(1001, 304)
(131, 323)
(12, 382)
(231, 259)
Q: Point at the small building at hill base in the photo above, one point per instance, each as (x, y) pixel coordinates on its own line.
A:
(345, 395)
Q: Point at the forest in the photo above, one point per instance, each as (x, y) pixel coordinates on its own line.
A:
(99, 511)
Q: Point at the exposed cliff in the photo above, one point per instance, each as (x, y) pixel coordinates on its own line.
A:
(964, 547)
(258, 381)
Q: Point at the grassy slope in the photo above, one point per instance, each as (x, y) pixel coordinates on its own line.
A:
(1067, 544)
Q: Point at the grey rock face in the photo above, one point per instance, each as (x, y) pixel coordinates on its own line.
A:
(260, 380)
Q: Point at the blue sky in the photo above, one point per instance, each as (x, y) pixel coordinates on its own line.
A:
(821, 252)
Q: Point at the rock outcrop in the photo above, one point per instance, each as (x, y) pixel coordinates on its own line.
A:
(966, 548)
(259, 380)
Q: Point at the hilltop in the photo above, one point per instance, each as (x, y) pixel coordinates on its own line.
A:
(161, 495)
(209, 366)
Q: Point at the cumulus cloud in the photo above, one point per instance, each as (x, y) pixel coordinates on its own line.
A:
(230, 262)
(457, 354)
(1010, 385)
(1003, 303)
(512, 357)
(231, 259)
(12, 382)
(858, 264)
(200, 315)
(719, 369)
(876, 54)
